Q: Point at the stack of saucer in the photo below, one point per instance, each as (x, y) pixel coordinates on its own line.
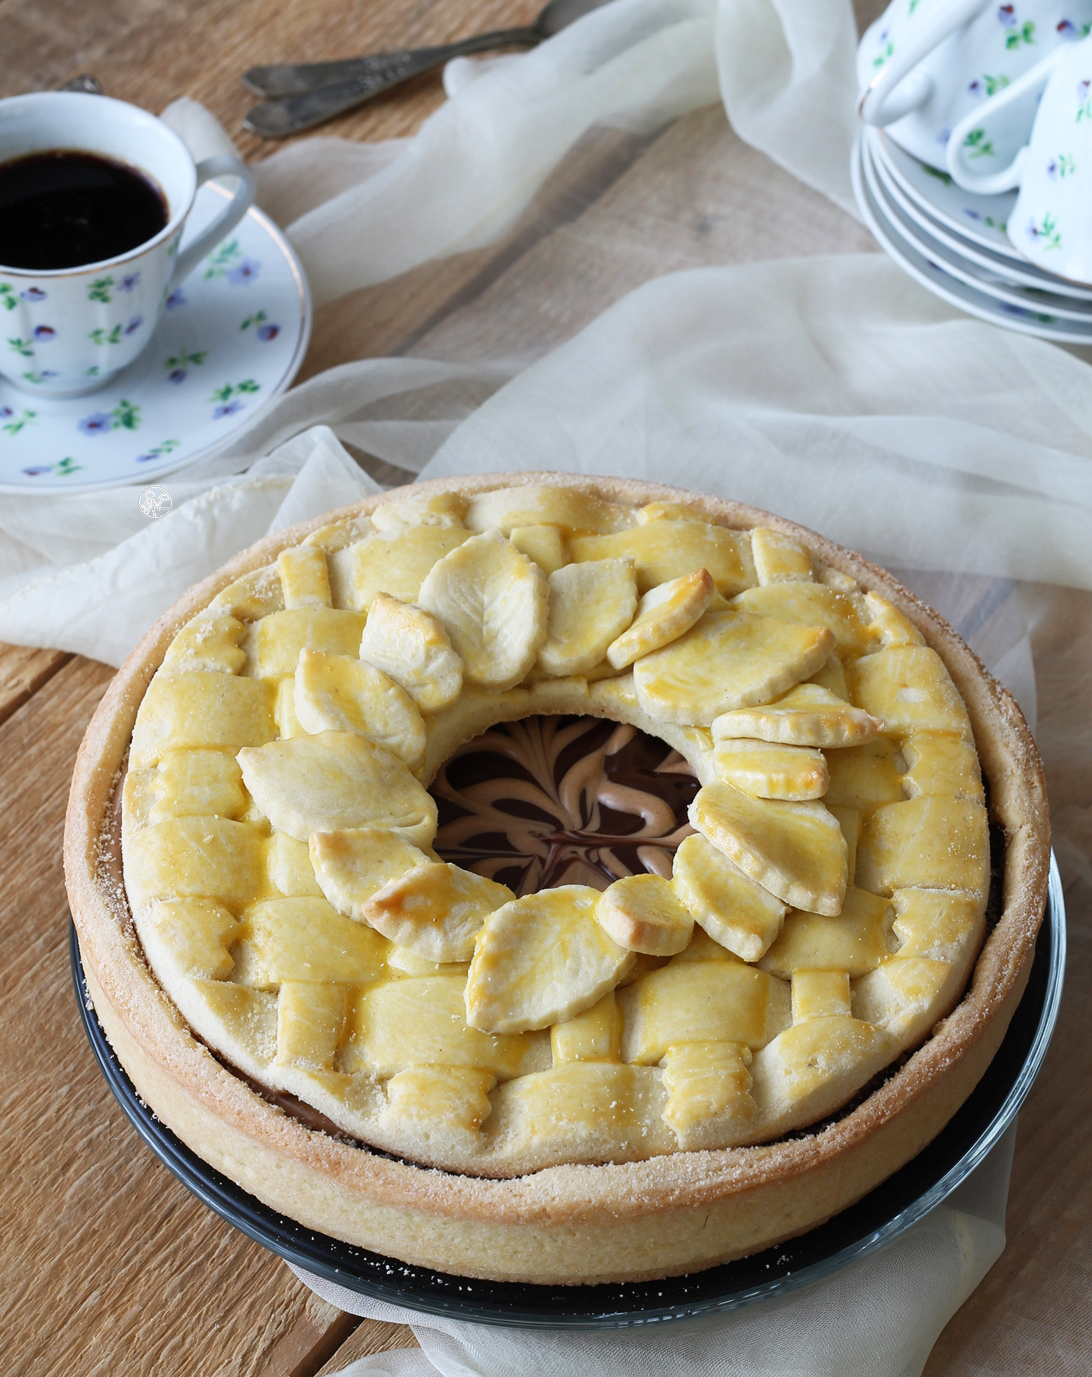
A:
(954, 242)
(973, 167)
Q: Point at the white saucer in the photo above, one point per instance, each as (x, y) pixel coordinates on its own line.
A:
(231, 340)
(978, 218)
(983, 279)
(959, 248)
(930, 274)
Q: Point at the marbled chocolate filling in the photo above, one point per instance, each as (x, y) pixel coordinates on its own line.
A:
(553, 801)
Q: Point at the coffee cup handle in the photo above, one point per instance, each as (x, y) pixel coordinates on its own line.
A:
(1008, 177)
(222, 165)
(880, 103)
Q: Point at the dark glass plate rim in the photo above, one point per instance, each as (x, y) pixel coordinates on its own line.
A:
(885, 1212)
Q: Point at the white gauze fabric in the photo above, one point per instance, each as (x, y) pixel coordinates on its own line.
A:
(359, 213)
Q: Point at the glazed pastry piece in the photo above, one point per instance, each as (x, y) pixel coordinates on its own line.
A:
(575, 975)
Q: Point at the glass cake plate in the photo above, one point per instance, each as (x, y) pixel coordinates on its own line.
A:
(892, 1207)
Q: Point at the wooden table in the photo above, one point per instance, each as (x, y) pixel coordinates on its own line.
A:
(108, 1267)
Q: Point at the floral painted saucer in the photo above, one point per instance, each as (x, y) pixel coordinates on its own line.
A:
(1028, 320)
(231, 340)
(982, 219)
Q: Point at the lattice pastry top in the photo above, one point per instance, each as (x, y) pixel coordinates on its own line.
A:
(278, 833)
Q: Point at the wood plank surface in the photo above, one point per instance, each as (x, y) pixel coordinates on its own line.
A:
(108, 1266)
(23, 671)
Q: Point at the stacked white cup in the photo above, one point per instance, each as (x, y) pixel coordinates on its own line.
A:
(990, 99)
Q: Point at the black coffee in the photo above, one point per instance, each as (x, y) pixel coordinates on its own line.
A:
(65, 208)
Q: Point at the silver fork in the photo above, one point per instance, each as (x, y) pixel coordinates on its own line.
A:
(303, 94)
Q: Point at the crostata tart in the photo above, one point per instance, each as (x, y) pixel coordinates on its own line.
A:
(555, 880)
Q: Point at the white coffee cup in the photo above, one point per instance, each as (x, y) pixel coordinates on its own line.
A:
(925, 64)
(1051, 222)
(65, 332)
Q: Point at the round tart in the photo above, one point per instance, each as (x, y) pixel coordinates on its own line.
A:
(352, 996)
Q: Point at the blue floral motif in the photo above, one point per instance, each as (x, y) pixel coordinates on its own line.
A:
(177, 298)
(13, 424)
(266, 329)
(180, 363)
(228, 397)
(244, 272)
(97, 424)
(33, 294)
(158, 451)
(63, 467)
(44, 333)
(128, 282)
(40, 377)
(134, 324)
(124, 416)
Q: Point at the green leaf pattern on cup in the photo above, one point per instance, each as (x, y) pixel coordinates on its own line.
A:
(1024, 34)
(99, 290)
(978, 145)
(8, 297)
(22, 346)
(104, 336)
(1046, 234)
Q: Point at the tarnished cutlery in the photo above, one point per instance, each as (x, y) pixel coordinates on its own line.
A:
(303, 94)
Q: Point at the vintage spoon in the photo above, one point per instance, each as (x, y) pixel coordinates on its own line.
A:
(306, 93)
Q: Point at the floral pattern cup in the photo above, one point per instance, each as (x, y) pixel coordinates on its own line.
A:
(68, 331)
(925, 64)
(1051, 222)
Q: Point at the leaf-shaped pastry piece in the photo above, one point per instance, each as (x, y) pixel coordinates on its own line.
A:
(436, 910)
(334, 693)
(733, 909)
(727, 660)
(807, 715)
(333, 781)
(663, 614)
(492, 600)
(795, 850)
(413, 647)
(392, 562)
(589, 605)
(352, 865)
(766, 769)
(642, 913)
(541, 959)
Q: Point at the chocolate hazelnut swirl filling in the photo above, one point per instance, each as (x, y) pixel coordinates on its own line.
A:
(550, 801)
